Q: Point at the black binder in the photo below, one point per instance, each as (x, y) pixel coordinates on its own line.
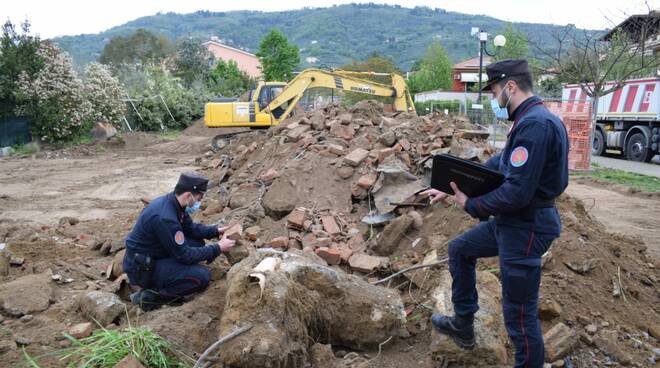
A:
(472, 178)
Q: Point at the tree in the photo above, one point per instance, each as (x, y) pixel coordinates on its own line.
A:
(54, 98)
(141, 46)
(226, 79)
(435, 71)
(18, 55)
(193, 61)
(278, 57)
(516, 46)
(105, 93)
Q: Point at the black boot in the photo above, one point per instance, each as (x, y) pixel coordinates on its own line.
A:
(459, 328)
(149, 300)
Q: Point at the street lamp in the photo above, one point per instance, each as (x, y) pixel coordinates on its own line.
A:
(499, 42)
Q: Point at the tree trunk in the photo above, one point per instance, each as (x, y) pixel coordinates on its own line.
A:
(594, 112)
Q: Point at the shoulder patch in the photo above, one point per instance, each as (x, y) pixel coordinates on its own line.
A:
(179, 238)
(519, 156)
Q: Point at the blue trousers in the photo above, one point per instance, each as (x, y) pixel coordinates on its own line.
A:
(520, 254)
(170, 277)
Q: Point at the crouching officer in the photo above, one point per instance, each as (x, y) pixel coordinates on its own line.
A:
(524, 219)
(165, 247)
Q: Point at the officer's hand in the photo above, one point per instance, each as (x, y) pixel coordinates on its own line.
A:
(222, 229)
(226, 244)
(436, 195)
(459, 197)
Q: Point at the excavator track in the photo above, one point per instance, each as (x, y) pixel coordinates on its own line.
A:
(220, 141)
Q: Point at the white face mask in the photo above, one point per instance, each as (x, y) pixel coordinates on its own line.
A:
(501, 112)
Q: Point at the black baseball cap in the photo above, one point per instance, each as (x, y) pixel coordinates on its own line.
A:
(504, 69)
(192, 182)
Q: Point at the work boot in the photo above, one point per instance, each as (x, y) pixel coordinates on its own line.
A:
(149, 300)
(459, 328)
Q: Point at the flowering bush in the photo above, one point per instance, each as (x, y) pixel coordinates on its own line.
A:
(54, 98)
(105, 94)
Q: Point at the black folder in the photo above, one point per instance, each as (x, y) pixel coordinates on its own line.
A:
(472, 178)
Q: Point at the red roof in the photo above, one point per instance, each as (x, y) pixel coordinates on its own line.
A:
(472, 63)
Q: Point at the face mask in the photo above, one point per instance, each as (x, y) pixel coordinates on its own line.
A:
(194, 208)
(501, 113)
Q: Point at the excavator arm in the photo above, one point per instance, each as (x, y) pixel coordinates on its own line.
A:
(343, 80)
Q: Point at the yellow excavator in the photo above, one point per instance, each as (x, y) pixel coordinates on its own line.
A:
(272, 102)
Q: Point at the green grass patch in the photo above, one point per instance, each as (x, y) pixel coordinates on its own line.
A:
(105, 348)
(24, 149)
(639, 182)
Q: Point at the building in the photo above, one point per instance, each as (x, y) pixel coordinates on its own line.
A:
(246, 62)
(466, 74)
(642, 29)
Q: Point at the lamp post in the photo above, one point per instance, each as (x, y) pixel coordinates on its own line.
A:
(499, 42)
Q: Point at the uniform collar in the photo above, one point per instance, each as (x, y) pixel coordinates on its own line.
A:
(523, 106)
(179, 209)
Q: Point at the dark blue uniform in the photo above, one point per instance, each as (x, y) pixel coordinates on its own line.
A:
(535, 164)
(164, 248)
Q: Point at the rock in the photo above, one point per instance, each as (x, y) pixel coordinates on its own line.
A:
(356, 156)
(7, 346)
(367, 181)
(592, 329)
(418, 220)
(234, 232)
(331, 255)
(549, 310)
(279, 200)
(317, 120)
(214, 208)
(613, 350)
(342, 131)
(654, 330)
(392, 234)
(365, 263)
(27, 295)
(243, 196)
(22, 340)
(345, 253)
(117, 246)
(345, 172)
(384, 153)
(491, 337)
(103, 130)
(269, 175)
(296, 219)
(295, 134)
(129, 362)
(557, 364)
(68, 220)
(345, 118)
(252, 232)
(279, 242)
(388, 138)
(321, 356)
(101, 306)
(336, 149)
(330, 225)
(117, 264)
(81, 330)
(236, 253)
(559, 341)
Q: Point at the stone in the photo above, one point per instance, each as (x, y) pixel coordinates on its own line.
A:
(418, 220)
(117, 263)
(367, 181)
(491, 336)
(342, 131)
(557, 364)
(81, 330)
(213, 208)
(336, 149)
(277, 205)
(129, 362)
(549, 310)
(330, 255)
(613, 350)
(68, 220)
(27, 295)
(103, 130)
(279, 242)
(317, 120)
(356, 157)
(296, 133)
(345, 172)
(330, 225)
(296, 219)
(345, 118)
(345, 253)
(321, 356)
(405, 144)
(384, 153)
(101, 306)
(236, 253)
(234, 232)
(269, 175)
(388, 138)
(243, 196)
(559, 342)
(252, 232)
(309, 240)
(365, 263)
(392, 234)
(591, 329)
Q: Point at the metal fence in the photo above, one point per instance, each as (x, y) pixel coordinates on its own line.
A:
(14, 130)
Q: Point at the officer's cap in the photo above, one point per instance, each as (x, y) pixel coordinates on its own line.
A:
(192, 182)
(505, 69)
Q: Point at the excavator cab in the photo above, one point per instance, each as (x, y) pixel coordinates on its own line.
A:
(250, 113)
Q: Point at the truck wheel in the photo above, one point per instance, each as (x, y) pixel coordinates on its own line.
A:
(637, 148)
(598, 146)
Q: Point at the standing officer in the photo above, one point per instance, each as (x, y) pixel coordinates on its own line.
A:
(535, 164)
(165, 247)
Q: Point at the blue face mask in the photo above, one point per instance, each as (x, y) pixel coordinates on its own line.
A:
(194, 208)
(501, 113)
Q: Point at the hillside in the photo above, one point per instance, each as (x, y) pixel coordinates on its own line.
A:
(335, 36)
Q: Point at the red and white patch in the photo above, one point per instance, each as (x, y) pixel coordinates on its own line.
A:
(519, 156)
(179, 238)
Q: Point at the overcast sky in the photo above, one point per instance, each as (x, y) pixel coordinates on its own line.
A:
(64, 17)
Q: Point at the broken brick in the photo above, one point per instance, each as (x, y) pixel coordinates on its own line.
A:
(296, 219)
(342, 131)
(345, 252)
(252, 232)
(367, 181)
(405, 144)
(269, 175)
(356, 156)
(309, 240)
(307, 141)
(235, 232)
(279, 242)
(331, 255)
(81, 330)
(362, 262)
(336, 149)
(330, 225)
(384, 153)
(295, 134)
(323, 242)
